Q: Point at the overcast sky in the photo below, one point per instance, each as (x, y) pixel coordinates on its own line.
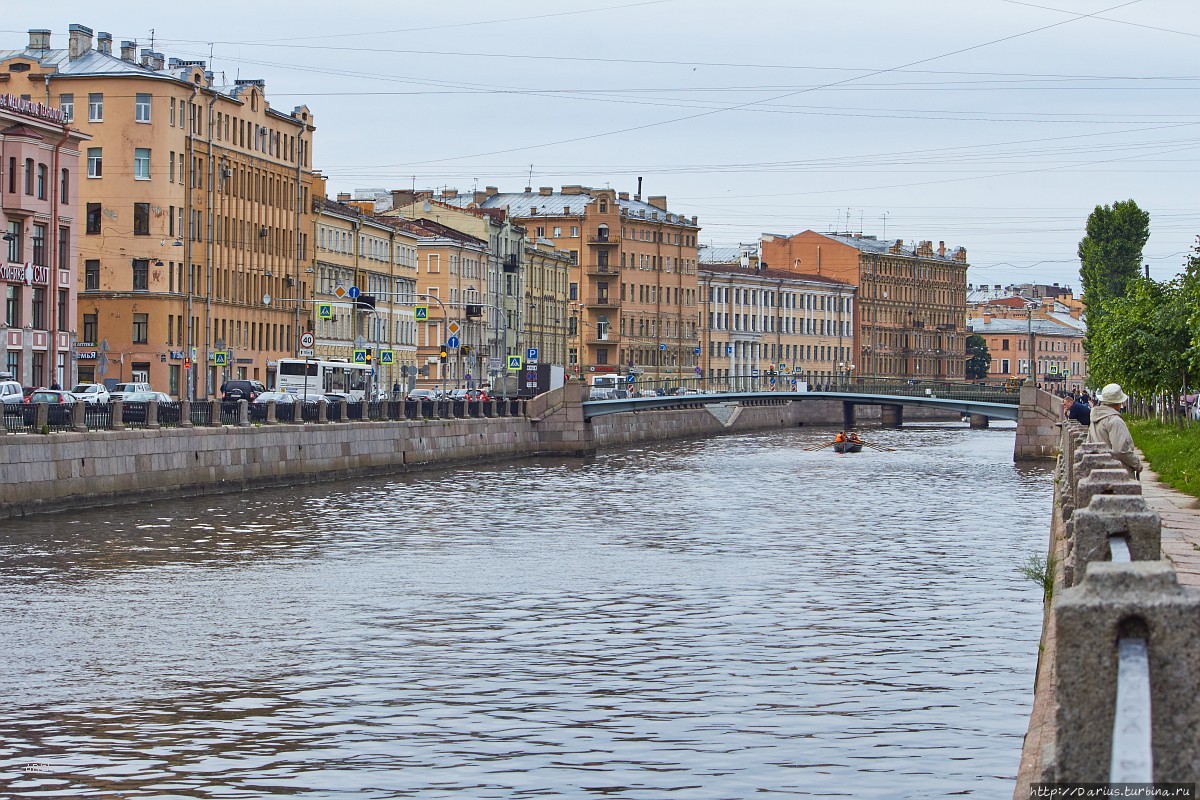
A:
(996, 125)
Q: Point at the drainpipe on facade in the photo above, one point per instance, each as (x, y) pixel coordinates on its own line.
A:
(187, 253)
(298, 251)
(208, 225)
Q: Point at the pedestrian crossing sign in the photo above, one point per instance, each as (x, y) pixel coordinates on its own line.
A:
(325, 310)
(360, 356)
(421, 313)
(220, 358)
(514, 363)
(385, 357)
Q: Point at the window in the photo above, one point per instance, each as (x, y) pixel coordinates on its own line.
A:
(141, 219)
(37, 317)
(141, 163)
(91, 276)
(574, 230)
(64, 187)
(89, 328)
(93, 218)
(39, 244)
(172, 112)
(96, 107)
(171, 168)
(29, 176)
(14, 246)
(12, 175)
(141, 328)
(141, 107)
(141, 274)
(12, 306)
(64, 248)
(558, 231)
(63, 318)
(66, 102)
(42, 174)
(95, 156)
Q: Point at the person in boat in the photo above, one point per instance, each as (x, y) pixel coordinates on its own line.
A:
(841, 437)
(853, 437)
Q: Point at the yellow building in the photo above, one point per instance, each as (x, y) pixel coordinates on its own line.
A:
(197, 209)
(357, 250)
(544, 323)
(761, 323)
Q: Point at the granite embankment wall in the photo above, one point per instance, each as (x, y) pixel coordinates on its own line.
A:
(76, 470)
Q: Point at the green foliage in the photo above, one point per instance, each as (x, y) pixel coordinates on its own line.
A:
(979, 360)
(1110, 254)
(1040, 570)
(1144, 340)
(1173, 452)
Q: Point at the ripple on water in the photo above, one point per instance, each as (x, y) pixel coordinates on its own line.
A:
(712, 619)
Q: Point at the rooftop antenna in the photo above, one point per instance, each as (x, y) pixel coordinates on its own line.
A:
(152, 38)
(885, 226)
(860, 217)
(530, 183)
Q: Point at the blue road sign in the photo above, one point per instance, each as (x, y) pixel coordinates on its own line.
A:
(696, 352)
(772, 380)
(630, 379)
(662, 347)
(728, 349)
(354, 292)
(531, 354)
(360, 356)
(452, 342)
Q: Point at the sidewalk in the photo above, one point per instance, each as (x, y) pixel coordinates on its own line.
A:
(1180, 525)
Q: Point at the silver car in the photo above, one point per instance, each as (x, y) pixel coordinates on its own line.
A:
(93, 394)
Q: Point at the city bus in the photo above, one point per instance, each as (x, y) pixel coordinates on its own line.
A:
(611, 384)
(312, 375)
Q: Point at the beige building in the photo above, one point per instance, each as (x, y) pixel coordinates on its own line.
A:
(762, 323)
(197, 210)
(544, 325)
(633, 294)
(354, 250)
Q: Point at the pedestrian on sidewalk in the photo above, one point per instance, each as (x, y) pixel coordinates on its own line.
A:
(1109, 429)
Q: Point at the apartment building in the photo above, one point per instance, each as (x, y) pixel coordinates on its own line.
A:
(760, 321)
(197, 212)
(633, 291)
(911, 299)
(1059, 362)
(39, 180)
(354, 250)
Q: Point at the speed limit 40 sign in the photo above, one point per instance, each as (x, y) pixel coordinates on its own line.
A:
(307, 340)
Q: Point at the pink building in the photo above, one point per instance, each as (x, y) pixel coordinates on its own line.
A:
(39, 163)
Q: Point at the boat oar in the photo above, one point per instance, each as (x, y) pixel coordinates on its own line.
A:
(818, 447)
(877, 447)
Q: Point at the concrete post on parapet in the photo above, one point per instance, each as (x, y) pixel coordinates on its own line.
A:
(271, 420)
(1105, 481)
(79, 417)
(185, 413)
(41, 417)
(1038, 417)
(243, 409)
(117, 421)
(1115, 600)
(891, 416)
(1113, 515)
(847, 415)
(343, 411)
(322, 412)
(980, 421)
(214, 412)
(152, 415)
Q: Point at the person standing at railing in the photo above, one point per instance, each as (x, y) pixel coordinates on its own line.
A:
(1109, 429)
(1074, 408)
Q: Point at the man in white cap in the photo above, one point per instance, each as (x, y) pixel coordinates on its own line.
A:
(1109, 429)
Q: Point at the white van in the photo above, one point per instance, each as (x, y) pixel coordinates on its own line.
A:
(10, 392)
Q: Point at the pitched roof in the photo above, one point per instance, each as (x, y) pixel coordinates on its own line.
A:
(772, 274)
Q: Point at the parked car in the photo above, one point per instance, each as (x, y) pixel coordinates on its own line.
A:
(232, 391)
(135, 405)
(425, 394)
(26, 391)
(460, 394)
(11, 392)
(60, 403)
(119, 391)
(91, 393)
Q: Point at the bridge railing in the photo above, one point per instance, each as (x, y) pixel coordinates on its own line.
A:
(1127, 635)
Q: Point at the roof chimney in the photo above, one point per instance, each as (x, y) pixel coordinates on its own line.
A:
(941, 249)
(104, 43)
(545, 191)
(658, 201)
(343, 197)
(987, 318)
(491, 191)
(129, 51)
(479, 197)
(39, 39)
(157, 60)
(623, 195)
(145, 55)
(81, 40)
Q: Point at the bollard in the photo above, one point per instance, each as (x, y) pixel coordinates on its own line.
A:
(271, 412)
(1088, 620)
(343, 410)
(41, 417)
(243, 409)
(1106, 480)
(117, 422)
(322, 411)
(79, 417)
(1106, 515)
(214, 412)
(152, 415)
(185, 413)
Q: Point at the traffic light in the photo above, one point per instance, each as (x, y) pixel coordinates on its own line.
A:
(370, 354)
(465, 350)
(443, 355)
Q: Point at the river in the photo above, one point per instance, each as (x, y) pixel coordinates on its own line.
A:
(727, 618)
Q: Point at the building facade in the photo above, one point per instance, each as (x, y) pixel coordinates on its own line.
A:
(354, 250)
(911, 299)
(1059, 362)
(39, 180)
(633, 293)
(197, 211)
(765, 328)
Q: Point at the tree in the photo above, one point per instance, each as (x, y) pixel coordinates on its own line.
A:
(1143, 340)
(1110, 254)
(979, 360)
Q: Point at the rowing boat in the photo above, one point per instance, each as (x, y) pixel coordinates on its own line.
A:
(847, 447)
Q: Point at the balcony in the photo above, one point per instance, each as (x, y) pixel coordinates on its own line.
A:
(512, 262)
(603, 338)
(602, 269)
(604, 239)
(603, 301)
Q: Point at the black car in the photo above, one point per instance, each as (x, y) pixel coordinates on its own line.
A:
(232, 391)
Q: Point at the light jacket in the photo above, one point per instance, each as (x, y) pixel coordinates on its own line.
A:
(1108, 428)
